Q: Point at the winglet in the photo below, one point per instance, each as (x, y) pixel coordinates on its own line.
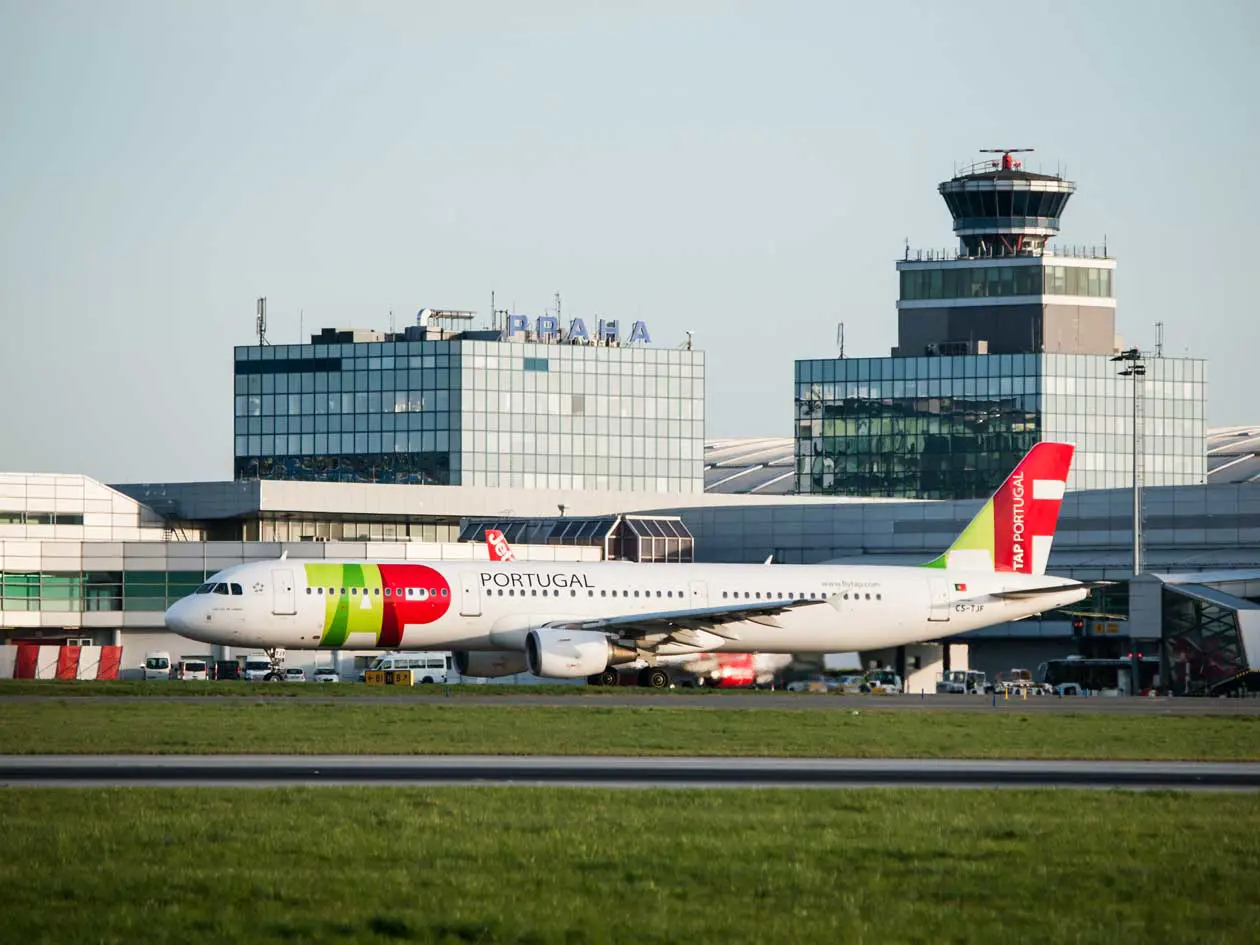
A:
(1014, 530)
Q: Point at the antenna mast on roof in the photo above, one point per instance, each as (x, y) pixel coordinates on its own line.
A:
(260, 322)
(1007, 163)
(1159, 339)
(840, 337)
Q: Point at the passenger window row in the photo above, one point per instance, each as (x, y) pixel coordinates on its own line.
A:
(545, 592)
(778, 595)
(408, 593)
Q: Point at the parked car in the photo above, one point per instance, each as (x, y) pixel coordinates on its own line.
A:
(848, 683)
(882, 681)
(813, 684)
(293, 674)
(327, 674)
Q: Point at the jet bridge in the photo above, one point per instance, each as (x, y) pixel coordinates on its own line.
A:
(1211, 640)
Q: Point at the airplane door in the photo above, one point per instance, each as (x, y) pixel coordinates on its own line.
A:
(938, 587)
(284, 599)
(470, 595)
(699, 594)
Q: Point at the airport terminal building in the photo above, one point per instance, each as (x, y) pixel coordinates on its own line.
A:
(521, 407)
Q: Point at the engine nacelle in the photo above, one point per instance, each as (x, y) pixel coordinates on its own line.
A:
(490, 664)
(572, 654)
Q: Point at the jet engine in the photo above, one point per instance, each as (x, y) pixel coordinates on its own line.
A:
(490, 664)
(572, 654)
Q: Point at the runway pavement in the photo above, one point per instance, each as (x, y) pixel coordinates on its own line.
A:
(690, 772)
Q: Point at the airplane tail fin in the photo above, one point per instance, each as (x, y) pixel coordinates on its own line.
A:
(1014, 530)
(498, 546)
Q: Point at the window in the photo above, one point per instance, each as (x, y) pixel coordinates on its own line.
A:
(221, 589)
(308, 590)
(205, 588)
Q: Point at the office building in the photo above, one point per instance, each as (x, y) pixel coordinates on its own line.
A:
(521, 407)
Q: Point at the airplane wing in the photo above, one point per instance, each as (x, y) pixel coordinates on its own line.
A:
(677, 623)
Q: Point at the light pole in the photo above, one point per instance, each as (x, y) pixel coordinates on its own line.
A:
(1136, 369)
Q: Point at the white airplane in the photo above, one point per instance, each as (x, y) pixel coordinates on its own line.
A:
(573, 620)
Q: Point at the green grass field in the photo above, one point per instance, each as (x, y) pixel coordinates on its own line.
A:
(257, 690)
(303, 727)
(571, 866)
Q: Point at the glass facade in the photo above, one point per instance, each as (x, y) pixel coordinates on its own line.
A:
(983, 282)
(472, 412)
(953, 427)
(93, 591)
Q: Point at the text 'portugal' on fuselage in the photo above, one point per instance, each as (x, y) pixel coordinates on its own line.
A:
(580, 619)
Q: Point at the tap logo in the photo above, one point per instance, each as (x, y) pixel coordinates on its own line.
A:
(1017, 521)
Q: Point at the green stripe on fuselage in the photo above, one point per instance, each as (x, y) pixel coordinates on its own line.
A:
(352, 600)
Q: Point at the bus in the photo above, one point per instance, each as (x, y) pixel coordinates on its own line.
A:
(1082, 676)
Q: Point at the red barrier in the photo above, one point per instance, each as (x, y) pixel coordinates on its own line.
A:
(68, 662)
(111, 657)
(27, 661)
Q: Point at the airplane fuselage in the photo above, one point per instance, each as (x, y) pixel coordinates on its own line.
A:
(485, 605)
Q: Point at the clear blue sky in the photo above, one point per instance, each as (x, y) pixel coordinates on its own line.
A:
(747, 171)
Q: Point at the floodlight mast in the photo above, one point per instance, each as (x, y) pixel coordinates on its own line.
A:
(1135, 368)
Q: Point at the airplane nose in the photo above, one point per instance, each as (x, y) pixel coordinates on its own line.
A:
(177, 617)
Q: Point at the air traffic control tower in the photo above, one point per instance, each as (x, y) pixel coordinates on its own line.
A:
(1003, 291)
(1002, 342)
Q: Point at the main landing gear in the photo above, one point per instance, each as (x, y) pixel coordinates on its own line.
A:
(651, 677)
(654, 677)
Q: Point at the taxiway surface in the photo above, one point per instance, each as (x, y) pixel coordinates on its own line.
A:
(691, 772)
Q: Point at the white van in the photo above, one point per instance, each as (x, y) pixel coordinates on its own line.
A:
(425, 667)
(192, 667)
(157, 665)
(257, 668)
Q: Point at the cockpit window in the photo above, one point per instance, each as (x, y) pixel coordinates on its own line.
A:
(205, 588)
(220, 588)
(237, 590)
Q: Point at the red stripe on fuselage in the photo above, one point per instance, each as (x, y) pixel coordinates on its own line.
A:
(399, 611)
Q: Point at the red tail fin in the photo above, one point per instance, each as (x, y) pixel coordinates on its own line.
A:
(499, 548)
